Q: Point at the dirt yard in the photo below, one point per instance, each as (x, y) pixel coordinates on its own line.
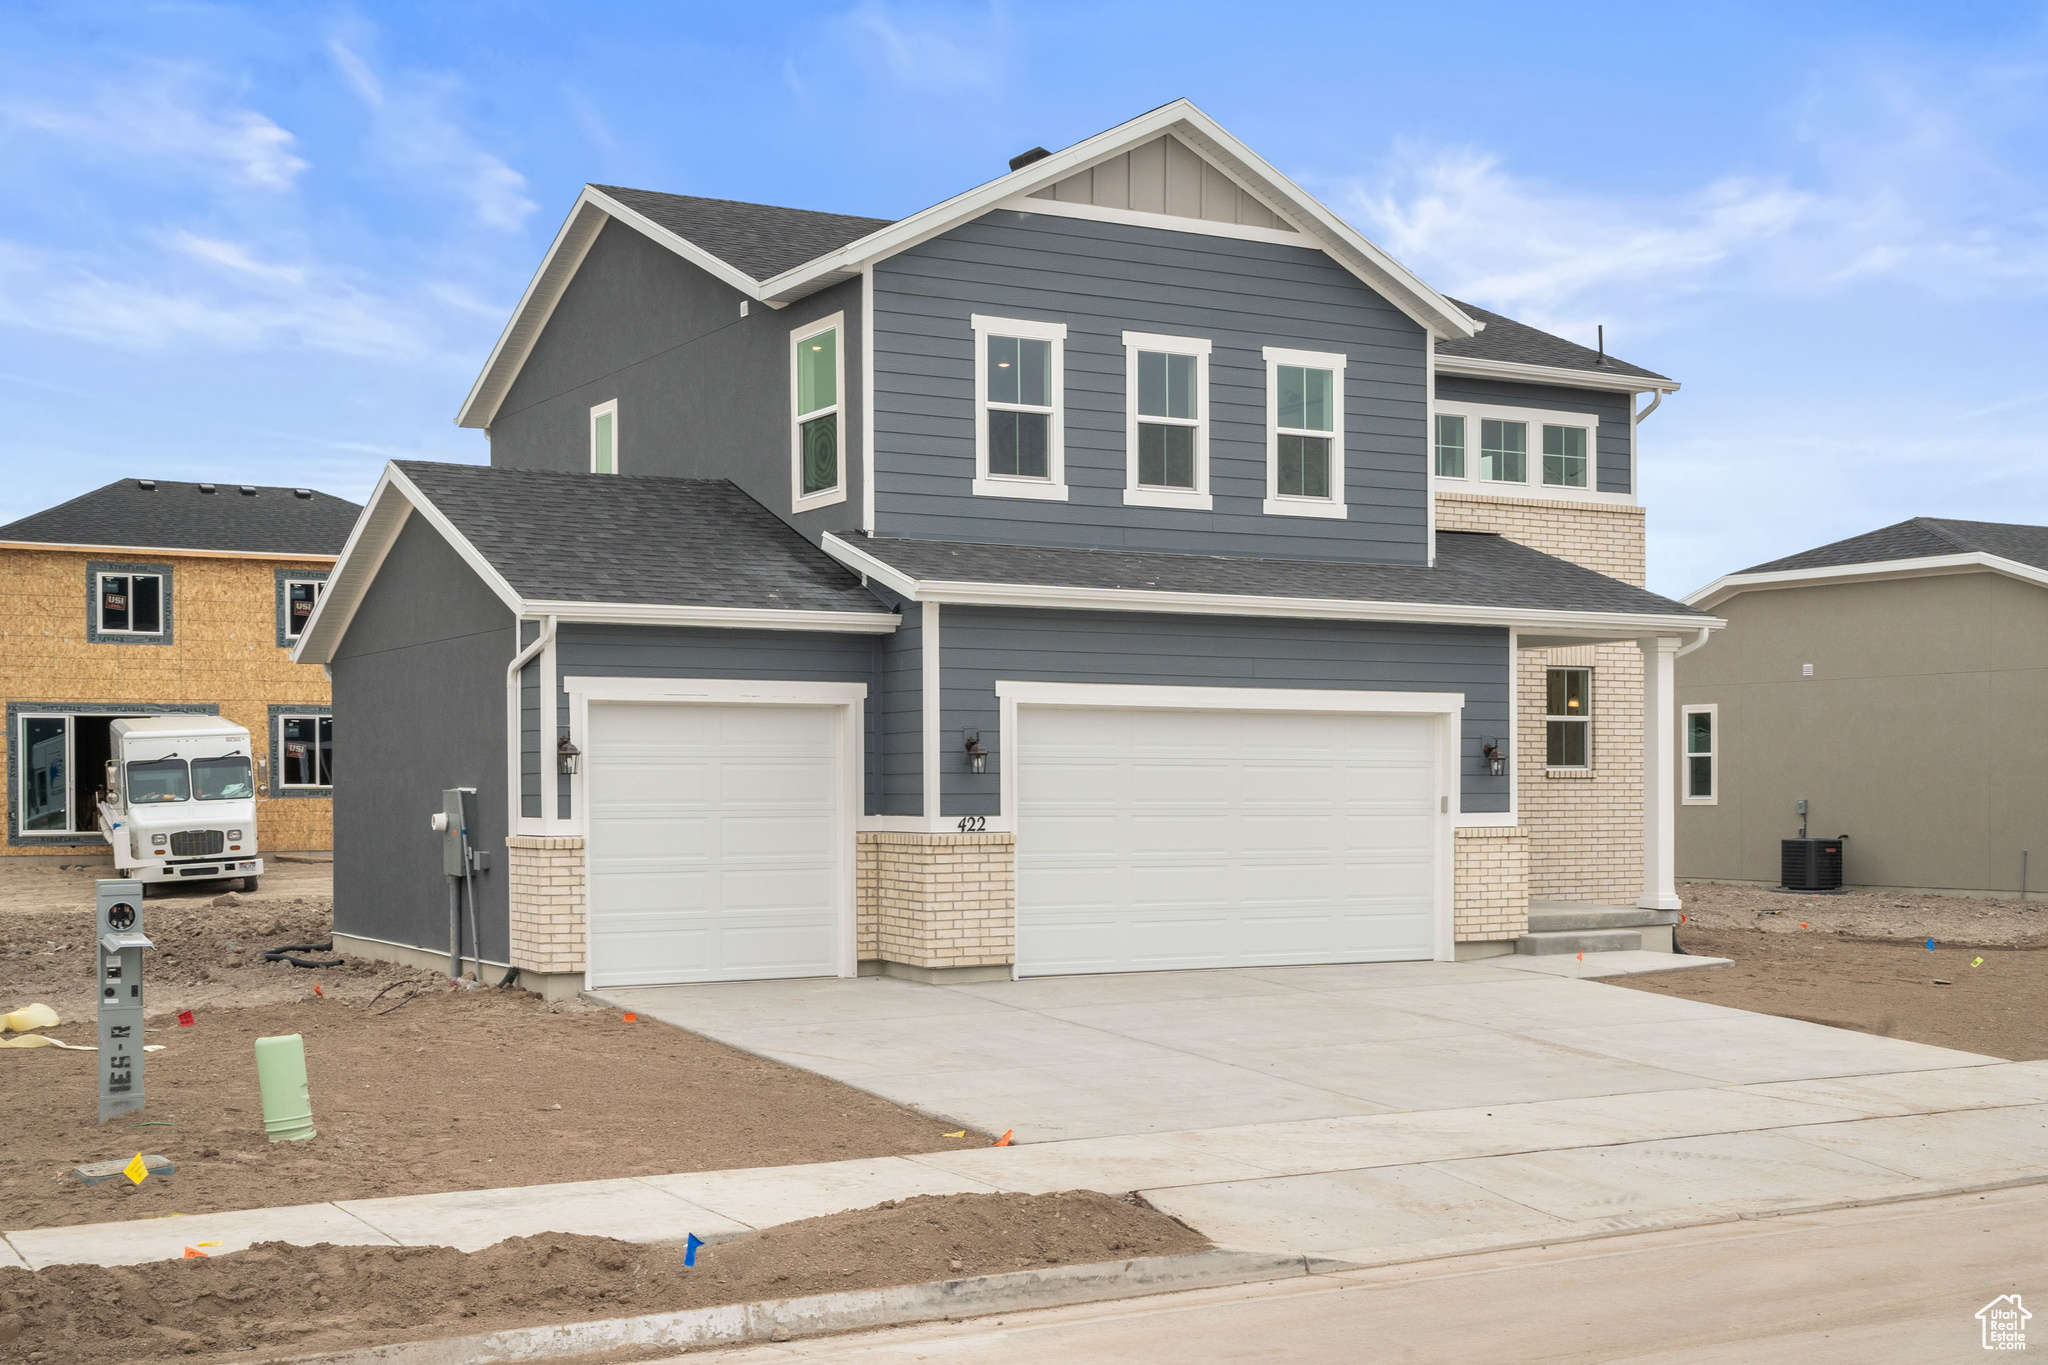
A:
(275, 1299)
(1860, 961)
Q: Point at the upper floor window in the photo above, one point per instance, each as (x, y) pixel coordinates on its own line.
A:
(1450, 446)
(1166, 386)
(604, 438)
(1504, 451)
(1564, 456)
(817, 378)
(1542, 451)
(1569, 718)
(128, 603)
(1304, 433)
(1019, 440)
(301, 595)
(1702, 755)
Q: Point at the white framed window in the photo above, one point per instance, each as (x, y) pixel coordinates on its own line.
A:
(305, 751)
(604, 438)
(1019, 408)
(817, 435)
(1304, 433)
(1166, 401)
(1543, 454)
(301, 595)
(1450, 445)
(1568, 718)
(1700, 727)
(129, 604)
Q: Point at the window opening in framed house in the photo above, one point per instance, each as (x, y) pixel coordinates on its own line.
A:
(1304, 433)
(604, 438)
(1702, 755)
(301, 595)
(1019, 395)
(1450, 446)
(1569, 721)
(130, 604)
(1167, 380)
(817, 379)
(305, 751)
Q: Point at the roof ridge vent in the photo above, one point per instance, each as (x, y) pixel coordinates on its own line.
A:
(146, 485)
(1023, 159)
(208, 488)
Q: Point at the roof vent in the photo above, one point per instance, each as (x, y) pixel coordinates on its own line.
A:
(146, 485)
(302, 492)
(248, 490)
(1023, 159)
(208, 488)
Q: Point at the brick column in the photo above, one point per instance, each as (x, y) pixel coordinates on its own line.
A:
(937, 906)
(546, 885)
(1492, 884)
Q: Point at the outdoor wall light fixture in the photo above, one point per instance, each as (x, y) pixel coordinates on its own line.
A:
(977, 757)
(1496, 759)
(568, 756)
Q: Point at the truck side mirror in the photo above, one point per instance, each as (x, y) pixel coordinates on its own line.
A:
(263, 777)
(113, 780)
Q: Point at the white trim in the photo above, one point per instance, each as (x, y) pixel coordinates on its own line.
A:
(850, 697)
(867, 396)
(1591, 625)
(1974, 561)
(369, 541)
(156, 551)
(1532, 485)
(99, 604)
(800, 501)
(737, 618)
(564, 258)
(1488, 819)
(930, 696)
(1139, 495)
(1444, 706)
(1052, 488)
(610, 409)
(1429, 439)
(319, 591)
(1472, 367)
(1280, 504)
(516, 820)
(1164, 222)
(277, 782)
(1586, 720)
(1660, 740)
(1712, 711)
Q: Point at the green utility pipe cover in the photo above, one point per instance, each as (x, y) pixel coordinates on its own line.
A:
(287, 1098)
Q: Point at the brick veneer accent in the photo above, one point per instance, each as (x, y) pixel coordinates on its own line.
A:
(1491, 875)
(546, 875)
(1585, 830)
(937, 900)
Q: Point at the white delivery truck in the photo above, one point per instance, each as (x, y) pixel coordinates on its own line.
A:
(180, 800)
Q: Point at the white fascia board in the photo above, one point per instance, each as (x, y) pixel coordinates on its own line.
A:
(129, 551)
(1473, 367)
(536, 306)
(470, 555)
(734, 618)
(953, 592)
(369, 540)
(1975, 561)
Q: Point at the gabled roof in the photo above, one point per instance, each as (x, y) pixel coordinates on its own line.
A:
(1906, 549)
(163, 514)
(1506, 343)
(1478, 579)
(767, 237)
(609, 548)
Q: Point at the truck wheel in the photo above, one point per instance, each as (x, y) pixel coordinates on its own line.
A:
(249, 884)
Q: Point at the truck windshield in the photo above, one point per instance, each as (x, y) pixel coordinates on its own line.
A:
(158, 779)
(223, 779)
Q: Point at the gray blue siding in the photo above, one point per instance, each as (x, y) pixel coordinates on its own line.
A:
(896, 714)
(1614, 470)
(981, 645)
(703, 393)
(1101, 279)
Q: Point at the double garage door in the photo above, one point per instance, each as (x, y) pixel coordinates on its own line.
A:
(1147, 840)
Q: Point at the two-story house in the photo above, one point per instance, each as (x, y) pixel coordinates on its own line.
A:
(150, 596)
(1121, 565)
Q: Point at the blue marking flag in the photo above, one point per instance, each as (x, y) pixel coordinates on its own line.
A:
(1930, 945)
(690, 1249)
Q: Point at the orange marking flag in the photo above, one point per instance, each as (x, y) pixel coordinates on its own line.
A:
(1004, 1140)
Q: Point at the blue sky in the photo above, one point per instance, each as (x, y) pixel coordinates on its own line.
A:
(273, 243)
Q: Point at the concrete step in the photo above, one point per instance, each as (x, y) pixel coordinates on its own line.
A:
(1547, 917)
(1580, 941)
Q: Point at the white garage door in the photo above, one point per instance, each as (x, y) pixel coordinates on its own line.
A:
(1154, 839)
(714, 842)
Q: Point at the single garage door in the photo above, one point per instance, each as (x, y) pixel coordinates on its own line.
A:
(1156, 839)
(713, 842)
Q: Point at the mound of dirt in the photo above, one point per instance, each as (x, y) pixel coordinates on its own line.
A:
(281, 1299)
(1905, 915)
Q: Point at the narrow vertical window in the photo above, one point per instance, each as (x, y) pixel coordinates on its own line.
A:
(1169, 455)
(1450, 446)
(44, 798)
(305, 751)
(1564, 456)
(1304, 433)
(604, 438)
(301, 596)
(1018, 441)
(816, 381)
(1504, 451)
(1702, 754)
(1569, 720)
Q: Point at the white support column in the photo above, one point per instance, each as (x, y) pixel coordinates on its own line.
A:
(1660, 772)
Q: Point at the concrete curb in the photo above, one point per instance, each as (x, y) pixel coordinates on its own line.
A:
(734, 1324)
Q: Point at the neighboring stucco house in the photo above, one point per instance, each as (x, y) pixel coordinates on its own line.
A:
(1895, 681)
(150, 596)
(1121, 565)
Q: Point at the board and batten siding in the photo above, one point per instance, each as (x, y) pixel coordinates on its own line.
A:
(1613, 466)
(1102, 279)
(983, 645)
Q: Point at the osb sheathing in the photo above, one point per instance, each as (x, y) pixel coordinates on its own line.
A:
(224, 651)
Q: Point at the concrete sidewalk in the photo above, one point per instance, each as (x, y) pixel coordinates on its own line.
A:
(1362, 1189)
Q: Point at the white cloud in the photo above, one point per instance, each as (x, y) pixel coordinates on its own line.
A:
(165, 116)
(922, 54)
(233, 257)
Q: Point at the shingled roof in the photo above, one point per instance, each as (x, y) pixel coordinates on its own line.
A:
(163, 514)
(1518, 343)
(761, 239)
(617, 538)
(1922, 538)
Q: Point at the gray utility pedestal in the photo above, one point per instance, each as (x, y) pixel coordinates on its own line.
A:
(1573, 927)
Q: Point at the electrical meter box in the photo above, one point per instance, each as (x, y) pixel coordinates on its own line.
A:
(457, 819)
(117, 958)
